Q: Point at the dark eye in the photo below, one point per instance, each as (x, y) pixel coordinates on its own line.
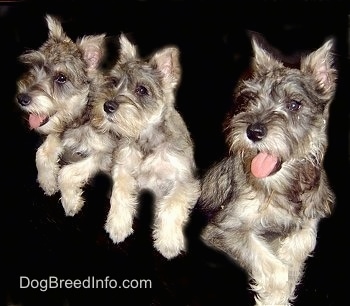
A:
(113, 82)
(141, 90)
(60, 78)
(293, 105)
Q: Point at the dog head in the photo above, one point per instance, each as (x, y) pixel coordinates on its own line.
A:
(138, 93)
(53, 91)
(280, 113)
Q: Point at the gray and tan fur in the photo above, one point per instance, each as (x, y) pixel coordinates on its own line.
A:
(268, 195)
(54, 93)
(155, 151)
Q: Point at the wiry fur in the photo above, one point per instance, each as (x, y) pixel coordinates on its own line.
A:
(86, 151)
(55, 92)
(268, 225)
(155, 151)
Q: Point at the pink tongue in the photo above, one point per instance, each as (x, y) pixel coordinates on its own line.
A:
(263, 164)
(35, 121)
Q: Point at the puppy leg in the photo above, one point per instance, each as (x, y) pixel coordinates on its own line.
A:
(124, 196)
(47, 157)
(71, 180)
(269, 274)
(172, 212)
(123, 205)
(294, 251)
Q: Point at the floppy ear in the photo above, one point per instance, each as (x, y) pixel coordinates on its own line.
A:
(320, 65)
(128, 51)
(92, 47)
(167, 62)
(56, 30)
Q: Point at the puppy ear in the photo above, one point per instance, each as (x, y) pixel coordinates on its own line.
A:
(92, 47)
(128, 51)
(55, 29)
(320, 65)
(33, 58)
(167, 61)
(262, 59)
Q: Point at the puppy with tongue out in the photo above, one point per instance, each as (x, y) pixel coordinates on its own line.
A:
(53, 92)
(35, 121)
(263, 164)
(264, 200)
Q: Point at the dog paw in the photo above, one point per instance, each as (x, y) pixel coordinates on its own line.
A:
(271, 284)
(119, 228)
(169, 242)
(72, 204)
(48, 184)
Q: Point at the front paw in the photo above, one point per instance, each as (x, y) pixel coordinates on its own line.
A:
(169, 241)
(72, 204)
(271, 284)
(119, 227)
(48, 183)
(70, 182)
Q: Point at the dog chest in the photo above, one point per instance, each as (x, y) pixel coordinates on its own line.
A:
(157, 174)
(83, 141)
(253, 214)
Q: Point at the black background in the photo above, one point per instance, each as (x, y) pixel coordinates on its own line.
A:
(39, 241)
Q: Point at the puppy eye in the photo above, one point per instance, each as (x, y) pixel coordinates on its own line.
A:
(293, 105)
(113, 82)
(60, 78)
(141, 90)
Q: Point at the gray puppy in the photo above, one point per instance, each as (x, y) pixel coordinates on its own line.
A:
(267, 197)
(54, 94)
(155, 150)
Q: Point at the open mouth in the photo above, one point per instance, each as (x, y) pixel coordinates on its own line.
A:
(36, 121)
(265, 164)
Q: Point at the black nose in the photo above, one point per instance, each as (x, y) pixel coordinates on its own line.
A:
(24, 99)
(256, 131)
(110, 106)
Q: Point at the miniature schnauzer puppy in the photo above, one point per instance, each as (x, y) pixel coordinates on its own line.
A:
(54, 95)
(54, 92)
(266, 198)
(155, 151)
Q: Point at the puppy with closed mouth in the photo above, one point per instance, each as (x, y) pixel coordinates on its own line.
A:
(155, 150)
